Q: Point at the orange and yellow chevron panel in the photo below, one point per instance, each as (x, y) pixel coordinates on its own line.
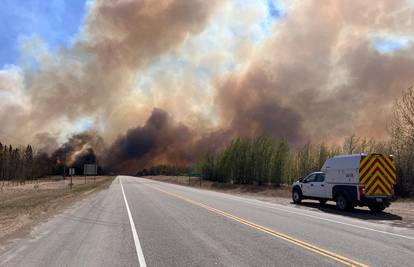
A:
(377, 173)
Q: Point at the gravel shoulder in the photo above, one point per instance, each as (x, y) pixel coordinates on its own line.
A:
(400, 213)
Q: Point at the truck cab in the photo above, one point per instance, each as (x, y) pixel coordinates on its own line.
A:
(313, 186)
(350, 180)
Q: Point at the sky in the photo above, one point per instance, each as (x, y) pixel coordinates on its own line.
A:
(207, 70)
(56, 22)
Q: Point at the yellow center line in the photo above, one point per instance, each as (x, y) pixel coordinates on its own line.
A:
(269, 231)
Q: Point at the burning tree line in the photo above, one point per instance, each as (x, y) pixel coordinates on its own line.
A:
(19, 164)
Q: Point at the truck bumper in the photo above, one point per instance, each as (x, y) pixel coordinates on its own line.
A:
(366, 201)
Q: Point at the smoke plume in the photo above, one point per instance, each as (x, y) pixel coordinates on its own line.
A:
(79, 148)
(163, 81)
(159, 140)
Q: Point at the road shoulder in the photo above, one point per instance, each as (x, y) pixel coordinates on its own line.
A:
(399, 214)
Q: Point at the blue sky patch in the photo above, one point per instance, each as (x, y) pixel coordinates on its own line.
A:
(275, 12)
(274, 9)
(389, 45)
(54, 21)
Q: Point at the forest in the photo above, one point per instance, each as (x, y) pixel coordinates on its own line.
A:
(21, 164)
(272, 161)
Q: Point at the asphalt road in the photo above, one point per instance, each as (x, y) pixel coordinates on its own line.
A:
(139, 222)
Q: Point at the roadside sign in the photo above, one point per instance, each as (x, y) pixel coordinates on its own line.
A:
(71, 171)
(90, 169)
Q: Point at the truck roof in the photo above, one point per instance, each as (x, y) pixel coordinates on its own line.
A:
(343, 162)
(350, 155)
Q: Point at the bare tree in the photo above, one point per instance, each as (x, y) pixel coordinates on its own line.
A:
(402, 132)
(351, 144)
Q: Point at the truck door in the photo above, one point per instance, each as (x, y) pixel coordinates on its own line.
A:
(317, 187)
(306, 184)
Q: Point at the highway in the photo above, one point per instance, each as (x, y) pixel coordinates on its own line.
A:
(140, 222)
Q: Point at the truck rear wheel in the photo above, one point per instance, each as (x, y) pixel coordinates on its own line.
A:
(377, 207)
(342, 202)
(296, 196)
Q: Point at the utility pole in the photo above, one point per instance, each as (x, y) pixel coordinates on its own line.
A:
(64, 166)
(71, 181)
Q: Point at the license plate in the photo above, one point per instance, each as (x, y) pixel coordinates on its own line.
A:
(379, 199)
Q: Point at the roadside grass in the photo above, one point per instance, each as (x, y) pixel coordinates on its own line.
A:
(282, 191)
(29, 199)
(21, 207)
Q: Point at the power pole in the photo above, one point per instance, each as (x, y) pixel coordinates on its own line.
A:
(64, 166)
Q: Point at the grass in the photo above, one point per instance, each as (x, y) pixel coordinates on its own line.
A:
(283, 191)
(32, 198)
(22, 207)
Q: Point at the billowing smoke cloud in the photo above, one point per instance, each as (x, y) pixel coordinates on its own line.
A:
(94, 76)
(319, 77)
(314, 75)
(251, 106)
(160, 140)
(79, 148)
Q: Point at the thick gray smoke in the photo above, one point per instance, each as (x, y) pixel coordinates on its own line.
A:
(159, 140)
(94, 77)
(315, 76)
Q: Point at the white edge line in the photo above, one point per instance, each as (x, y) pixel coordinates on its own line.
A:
(138, 247)
(343, 223)
(271, 206)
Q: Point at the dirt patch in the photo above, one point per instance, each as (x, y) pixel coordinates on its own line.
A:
(23, 206)
(400, 213)
(405, 209)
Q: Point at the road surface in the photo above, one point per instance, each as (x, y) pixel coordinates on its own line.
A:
(140, 222)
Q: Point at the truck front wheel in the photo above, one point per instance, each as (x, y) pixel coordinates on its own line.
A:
(296, 196)
(342, 202)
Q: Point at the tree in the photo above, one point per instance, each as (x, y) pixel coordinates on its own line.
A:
(323, 155)
(351, 144)
(28, 163)
(402, 143)
(280, 162)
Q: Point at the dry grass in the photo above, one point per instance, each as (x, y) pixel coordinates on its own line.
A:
(282, 191)
(21, 206)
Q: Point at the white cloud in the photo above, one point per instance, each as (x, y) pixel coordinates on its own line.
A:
(12, 90)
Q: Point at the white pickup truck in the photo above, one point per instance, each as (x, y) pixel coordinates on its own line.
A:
(351, 180)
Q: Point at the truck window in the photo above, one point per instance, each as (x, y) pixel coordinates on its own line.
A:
(310, 178)
(320, 177)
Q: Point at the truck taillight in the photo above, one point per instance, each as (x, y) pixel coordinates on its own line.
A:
(361, 189)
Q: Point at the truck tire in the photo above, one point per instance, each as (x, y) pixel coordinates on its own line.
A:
(377, 207)
(342, 202)
(296, 195)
